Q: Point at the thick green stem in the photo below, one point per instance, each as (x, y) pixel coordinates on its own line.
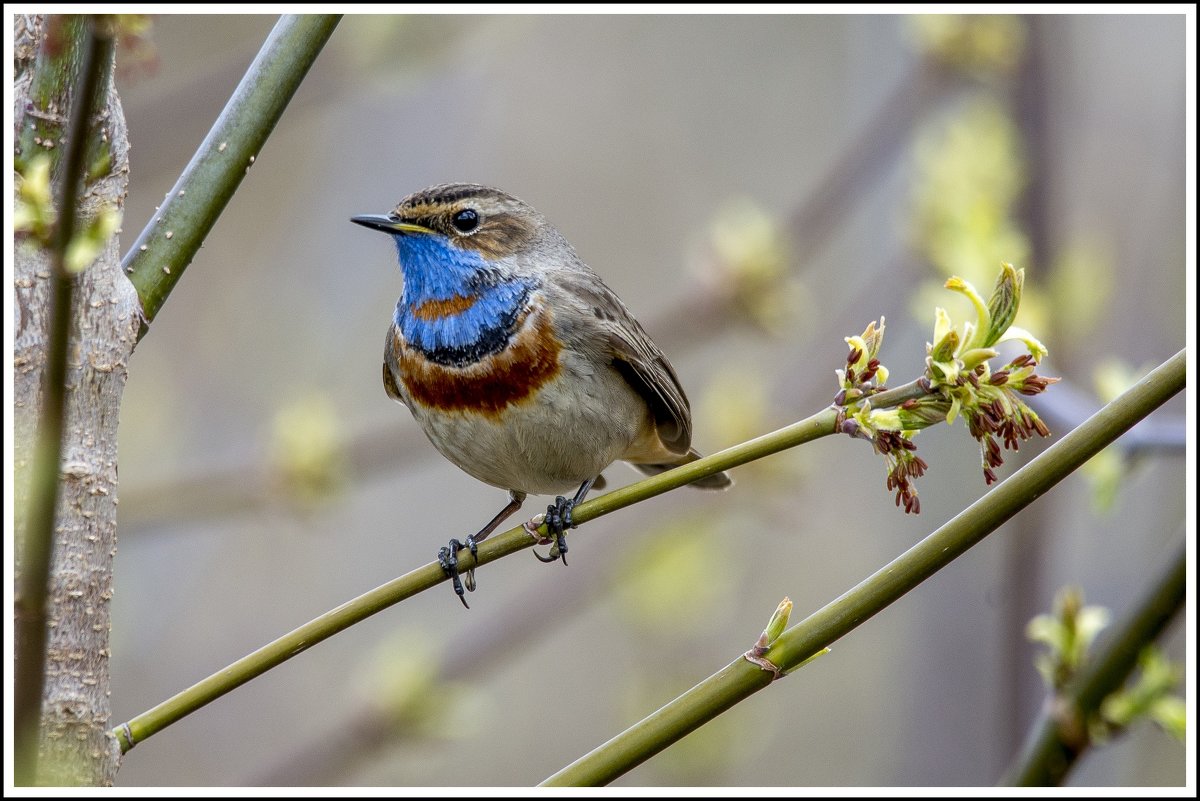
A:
(167, 245)
(1060, 736)
(740, 679)
(37, 550)
(516, 539)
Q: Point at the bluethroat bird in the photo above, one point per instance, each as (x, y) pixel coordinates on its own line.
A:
(517, 361)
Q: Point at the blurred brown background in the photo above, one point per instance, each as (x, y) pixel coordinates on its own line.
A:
(755, 188)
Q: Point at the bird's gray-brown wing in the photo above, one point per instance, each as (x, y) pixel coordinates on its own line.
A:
(635, 356)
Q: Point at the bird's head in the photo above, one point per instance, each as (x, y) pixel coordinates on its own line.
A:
(459, 226)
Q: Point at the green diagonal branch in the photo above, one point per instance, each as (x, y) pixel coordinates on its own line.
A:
(167, 245)
(430, 575)
(207, 690)
(1058, 739)
(740, 679)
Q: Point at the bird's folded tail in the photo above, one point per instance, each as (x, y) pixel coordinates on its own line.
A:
(717, 481)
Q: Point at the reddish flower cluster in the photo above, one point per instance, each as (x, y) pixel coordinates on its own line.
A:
(905, 465)
(1005, 417)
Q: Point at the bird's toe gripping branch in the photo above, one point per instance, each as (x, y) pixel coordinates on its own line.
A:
(448, 559)
(558, 520)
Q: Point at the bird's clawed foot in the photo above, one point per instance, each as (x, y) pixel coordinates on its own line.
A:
(558, 520)
(448, 559)
(448, 556)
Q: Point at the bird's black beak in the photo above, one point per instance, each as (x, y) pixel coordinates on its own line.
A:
(389, 225)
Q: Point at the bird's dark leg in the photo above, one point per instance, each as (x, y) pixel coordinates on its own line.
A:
(558, 520)
(448, 556)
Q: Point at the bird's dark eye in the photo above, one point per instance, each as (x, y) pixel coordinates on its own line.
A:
(465, 221)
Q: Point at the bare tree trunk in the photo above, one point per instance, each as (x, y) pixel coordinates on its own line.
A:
(105, 317)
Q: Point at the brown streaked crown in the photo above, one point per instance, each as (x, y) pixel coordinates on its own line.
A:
(505, 223)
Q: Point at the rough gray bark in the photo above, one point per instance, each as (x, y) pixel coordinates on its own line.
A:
(75, 746)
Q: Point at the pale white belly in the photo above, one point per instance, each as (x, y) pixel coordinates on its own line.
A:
(567, 432)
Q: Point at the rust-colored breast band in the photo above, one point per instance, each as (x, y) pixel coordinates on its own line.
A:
(437, 309)
(512, 376)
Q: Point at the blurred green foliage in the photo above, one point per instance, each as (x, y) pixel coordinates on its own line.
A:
(983, 45)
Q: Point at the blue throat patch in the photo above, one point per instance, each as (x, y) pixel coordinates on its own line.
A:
(436, 270)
